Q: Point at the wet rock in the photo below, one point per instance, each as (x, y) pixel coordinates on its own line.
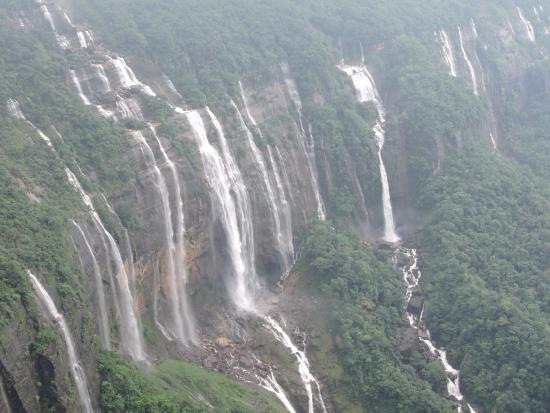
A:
(415, 305)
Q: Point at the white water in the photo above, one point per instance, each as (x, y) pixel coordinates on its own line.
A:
(529, 30)
(411, 277)
(82, 40)
(14, 109)
(230, 214)
(280, 210)
(493, 141)
(76, 369)
(78, 86)
(174, 281)
(307, 147)
(474, 28)
(61, 40)
(100, 71)
(303, 365)
(104, 329)
(448, 54)
(366, 92)
(128, 108)
(131, 336)
(271, 384)
(180, 251)
(127, 77)
(469, 64)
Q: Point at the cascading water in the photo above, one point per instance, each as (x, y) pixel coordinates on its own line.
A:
(14, 109)
(529, 30)
(127, 77)
(128, 108)
(230, 211)
(303, 365)
(104, 329)
(307, 146)
(76, 369)
(180, 252)
(448, 54)
(279, 207)
(367, 92)
(82, 40)
(174, 281)
(271, 384)
(131, 336)
(102, 76)
(471, 70)
(78, 86)
(62, 41)
(411, 277)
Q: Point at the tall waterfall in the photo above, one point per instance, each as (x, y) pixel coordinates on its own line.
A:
(100, 71)
(130, 335)
(78, 86)
(176, 279)
(104, 330)
(367, 92)
(180, 251)
(308, 147)
(271, 384)
(447, 50)
(471, 70)
(279, 207)
(529, 30)
(76, 369)
(14, 110)
(231, 210)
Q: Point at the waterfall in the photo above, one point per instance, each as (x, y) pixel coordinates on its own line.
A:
(78, 86)
(280, 212)
(104, 329)
(469, 64)
(76, 369)
(529, 30)
(14, 110)
(100, 72)
(131, 336)
(308, 149)
(448, 54)
(175, 279)
(82, 40)
(230, 210)
(411, 277)
(271, 384)
(76, 81)
(128, 108)
(367, 92)
(474, 28)
(61, 40)
(127, 77)
(303, 364)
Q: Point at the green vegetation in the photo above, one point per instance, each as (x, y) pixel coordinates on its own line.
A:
(176, 387)
(365, 297)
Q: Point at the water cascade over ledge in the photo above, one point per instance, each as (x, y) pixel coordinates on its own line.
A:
(366, 91)
(76, 369)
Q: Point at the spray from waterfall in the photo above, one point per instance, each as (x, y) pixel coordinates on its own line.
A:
(176, 283)
(367, 92)
(131, 336)
(76, 369)
(279, 207)
(230, 211)
(104, 329)
(308, 147)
